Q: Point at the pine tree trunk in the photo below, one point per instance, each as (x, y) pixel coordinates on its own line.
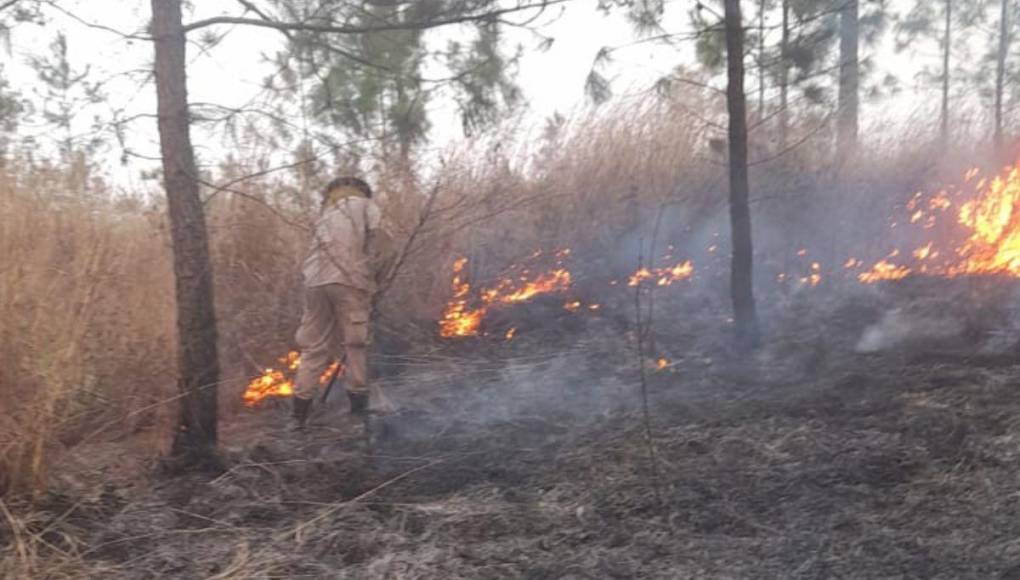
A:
(197, 362)
(741, 286)
(946, 44)
(849, 79)
(784, 79)
(761, 59)
(1000, 73)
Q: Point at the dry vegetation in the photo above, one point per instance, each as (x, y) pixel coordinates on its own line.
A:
(534, 463)
(86, 280)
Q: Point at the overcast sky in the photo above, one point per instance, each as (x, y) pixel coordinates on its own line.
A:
(233, 72)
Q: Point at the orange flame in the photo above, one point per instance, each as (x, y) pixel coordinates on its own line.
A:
(327, 374)
(555, 281)
(272, 383)
(280, 383)
(662, 276)
(983, 239)
(458, 319)
(883, 270)
(993, 219)
(461, 320)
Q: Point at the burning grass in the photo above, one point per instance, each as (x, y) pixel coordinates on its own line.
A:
(517, 285)
(280, 382)
(794, 465)
(968, 229)
(520, 454)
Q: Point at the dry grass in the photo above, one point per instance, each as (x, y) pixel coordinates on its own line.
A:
(850, 466)
(86, 288)
(87, 338)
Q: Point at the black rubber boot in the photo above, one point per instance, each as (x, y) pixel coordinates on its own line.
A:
(299, 414)
(359, 404)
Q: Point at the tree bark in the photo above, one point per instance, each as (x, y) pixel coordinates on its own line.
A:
(784, 79)
(741, 284)
(849, 78)
(761, 59)
(197, 361)
(946, 52)
(1000, 73)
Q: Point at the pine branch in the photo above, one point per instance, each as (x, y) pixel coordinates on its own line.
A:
(87, 23)
(382, 27)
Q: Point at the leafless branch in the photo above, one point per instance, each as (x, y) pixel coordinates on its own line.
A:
(793, 146)
(95, 25)
(381, 27)
(252, 8)
(645, 411)
(405, 251)
(698, 84)
(219, 188)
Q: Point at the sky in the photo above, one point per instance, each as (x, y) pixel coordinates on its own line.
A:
(231, 73)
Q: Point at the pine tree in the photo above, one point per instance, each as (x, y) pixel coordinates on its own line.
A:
(742, 267)
(945, 22)
(373, 84)
(198, 363)
(66, 91)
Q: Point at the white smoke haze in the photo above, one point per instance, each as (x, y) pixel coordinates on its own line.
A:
(900, 327)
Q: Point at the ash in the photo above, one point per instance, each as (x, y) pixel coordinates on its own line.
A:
(874, 435)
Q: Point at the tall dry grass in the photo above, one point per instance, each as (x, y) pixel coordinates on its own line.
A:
(86, 290)
(86, 296)
(87, 332)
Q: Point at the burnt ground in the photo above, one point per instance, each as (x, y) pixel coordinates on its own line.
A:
(809, 459)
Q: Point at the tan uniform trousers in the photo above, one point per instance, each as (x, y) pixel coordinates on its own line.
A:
(334, 323)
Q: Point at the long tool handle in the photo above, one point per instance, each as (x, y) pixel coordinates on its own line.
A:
(332, 379)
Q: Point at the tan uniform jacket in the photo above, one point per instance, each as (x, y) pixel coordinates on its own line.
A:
(349, 246)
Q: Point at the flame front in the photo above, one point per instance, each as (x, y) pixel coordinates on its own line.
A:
(272, 382)
(460, 319)
(662, 276)
(280, 383)
(993, 219)
(970, 230)
(980, 237)
(466, 310)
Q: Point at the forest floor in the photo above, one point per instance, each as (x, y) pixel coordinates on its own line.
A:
(810, 459)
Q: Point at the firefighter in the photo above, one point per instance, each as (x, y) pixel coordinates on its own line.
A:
(350, 254)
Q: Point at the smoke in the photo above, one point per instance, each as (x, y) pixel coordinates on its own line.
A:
(900, 328)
